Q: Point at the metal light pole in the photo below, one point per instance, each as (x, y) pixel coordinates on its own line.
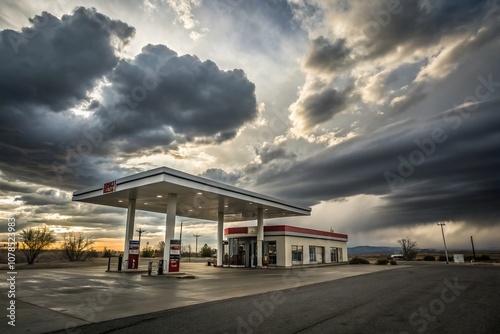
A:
(196, 247)
(473, 250)
(444, 241)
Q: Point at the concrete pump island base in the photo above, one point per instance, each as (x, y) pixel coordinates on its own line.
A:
(175, 193)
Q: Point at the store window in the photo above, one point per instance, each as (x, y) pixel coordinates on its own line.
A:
(296, 254)
(312, 254)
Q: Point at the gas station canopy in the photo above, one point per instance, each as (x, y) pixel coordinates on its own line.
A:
(197, 197)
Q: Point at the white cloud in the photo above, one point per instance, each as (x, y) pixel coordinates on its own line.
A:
(183, 8)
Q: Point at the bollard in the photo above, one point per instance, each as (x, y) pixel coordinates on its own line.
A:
(150, 267)
(120, 263)
(160, 267)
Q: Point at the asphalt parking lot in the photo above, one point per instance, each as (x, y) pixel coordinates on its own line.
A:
(63, 299)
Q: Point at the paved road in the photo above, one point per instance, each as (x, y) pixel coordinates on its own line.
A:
(418, 299)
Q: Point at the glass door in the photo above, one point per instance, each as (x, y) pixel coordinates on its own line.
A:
(272, 253)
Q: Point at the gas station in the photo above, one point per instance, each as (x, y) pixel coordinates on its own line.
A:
(174, 193)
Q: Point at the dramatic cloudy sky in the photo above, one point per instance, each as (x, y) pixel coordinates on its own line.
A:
(380, 115)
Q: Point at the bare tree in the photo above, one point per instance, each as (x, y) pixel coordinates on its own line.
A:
(185, 250)
(77, 247)
(35, 241)
(148, 251)
(409, 248)
(160, 247)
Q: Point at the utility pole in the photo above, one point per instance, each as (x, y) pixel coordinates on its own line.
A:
(140, 231)
(180, 238)
(196, 247)
(444, 241)
(473, 250)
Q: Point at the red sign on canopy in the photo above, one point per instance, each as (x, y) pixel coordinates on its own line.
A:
(109, 187)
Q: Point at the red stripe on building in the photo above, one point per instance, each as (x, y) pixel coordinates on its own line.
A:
(286, 228)
(235, 230)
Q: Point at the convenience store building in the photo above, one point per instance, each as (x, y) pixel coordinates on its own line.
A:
(284, 246)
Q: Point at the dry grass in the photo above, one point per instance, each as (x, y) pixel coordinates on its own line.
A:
(49, 259)
(495, 256)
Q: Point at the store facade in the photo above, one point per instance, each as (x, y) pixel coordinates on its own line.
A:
(283, 246)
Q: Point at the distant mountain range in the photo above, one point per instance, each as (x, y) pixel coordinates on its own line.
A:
(367, 250)
(361, 250)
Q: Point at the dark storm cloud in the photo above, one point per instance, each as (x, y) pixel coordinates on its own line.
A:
(478, 50)
(220, 175)
(402, 26)
(44, 70)
(44, 197)
(415, 24)
(328, 56)
(169, 97)
(270, 159)
(55, 62)
(445, 168)
(322, 106)
(49, 69)
(15, 187)
(269, 153)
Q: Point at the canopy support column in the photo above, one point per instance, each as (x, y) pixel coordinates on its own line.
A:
(129, 229)
(260, 235)
(169, 229)
(220, 233)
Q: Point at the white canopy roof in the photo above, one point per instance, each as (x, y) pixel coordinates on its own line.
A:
(197, 197)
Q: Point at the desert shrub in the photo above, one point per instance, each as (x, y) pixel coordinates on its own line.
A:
(394, 263)
(443, 258)
(359, 260)
(35, 241)
(484, 258)
(77, 247)
(382, 261)
(106, 252)
(430, 258)
(148, 251)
